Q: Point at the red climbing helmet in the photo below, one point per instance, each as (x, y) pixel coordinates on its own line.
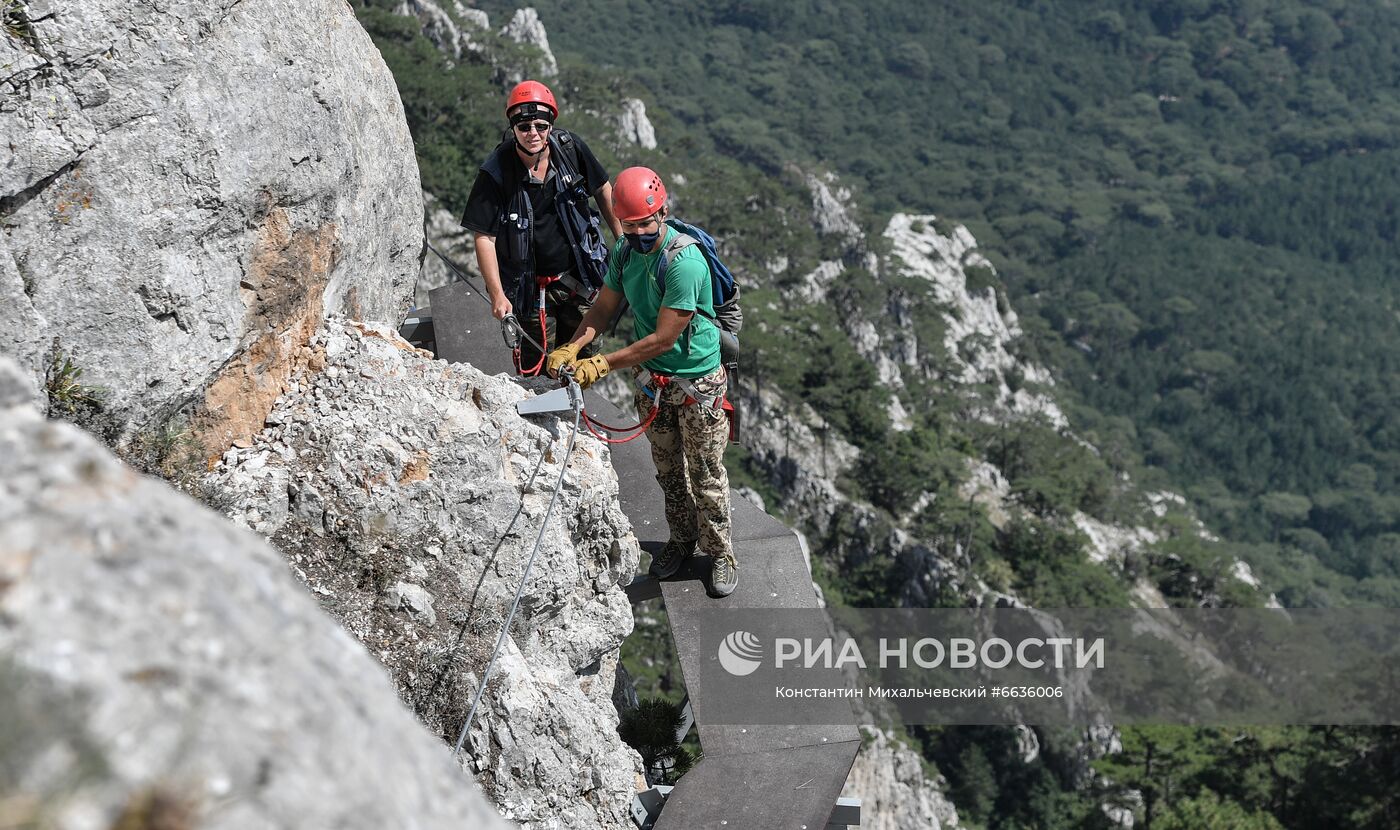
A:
(532, 92)
(638, 194)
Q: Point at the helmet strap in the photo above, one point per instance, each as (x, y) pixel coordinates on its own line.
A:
(533, 157)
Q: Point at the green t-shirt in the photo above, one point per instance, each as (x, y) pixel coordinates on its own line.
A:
(687, 289)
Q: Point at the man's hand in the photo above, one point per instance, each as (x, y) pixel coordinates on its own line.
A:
(500, 307)
(590, 371)
(560, 357)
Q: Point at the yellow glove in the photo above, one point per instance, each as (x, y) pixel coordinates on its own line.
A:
(562, 356)
(591, 370)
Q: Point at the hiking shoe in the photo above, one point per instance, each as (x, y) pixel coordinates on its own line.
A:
(724, 577)
(665, 564)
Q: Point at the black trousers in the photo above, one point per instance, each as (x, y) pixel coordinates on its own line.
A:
(563, 312)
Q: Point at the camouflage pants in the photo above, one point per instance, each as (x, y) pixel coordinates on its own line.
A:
(687, 446)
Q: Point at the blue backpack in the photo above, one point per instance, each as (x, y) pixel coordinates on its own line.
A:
(728, 316)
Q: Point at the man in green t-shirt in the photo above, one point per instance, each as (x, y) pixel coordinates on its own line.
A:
(675, 352)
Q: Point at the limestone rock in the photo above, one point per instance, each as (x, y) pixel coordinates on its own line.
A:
(193, 187)
(888, 778)
(1111, 543)
(634, 124)
(413, 600)
(476, 17)
(455, 32)
(157, 661)
(438, 25)
(831, 208)
(527, 28)
(387, 471)
(986, 486)
(1027, 744)
(17, 389)
(979, 332)
(816, 285)
(23, 329)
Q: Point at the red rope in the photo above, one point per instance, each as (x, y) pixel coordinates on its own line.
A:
(544, 341)
(640, 428)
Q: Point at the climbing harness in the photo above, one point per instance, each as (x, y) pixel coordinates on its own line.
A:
(576, 402)
(647, 380)
(651, 385)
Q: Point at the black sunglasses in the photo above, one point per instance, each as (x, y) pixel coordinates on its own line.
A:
(537, 127)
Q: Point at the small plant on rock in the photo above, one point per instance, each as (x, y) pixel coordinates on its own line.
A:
(170, 451)
(69, 397)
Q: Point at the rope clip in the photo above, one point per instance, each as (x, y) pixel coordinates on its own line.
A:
(511, 331)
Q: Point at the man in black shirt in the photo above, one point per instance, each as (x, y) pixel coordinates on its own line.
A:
(535, 232)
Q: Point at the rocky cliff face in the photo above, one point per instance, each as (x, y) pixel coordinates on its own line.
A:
(981, 328)
(454, 34)
(940, 322)
(633, 124)
(526, 28)
(895, 794)
(196, 190)
(404, 493)
(161, 668)
(193, 188)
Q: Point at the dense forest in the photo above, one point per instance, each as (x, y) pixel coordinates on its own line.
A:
(1195, 201)
(1191, 204)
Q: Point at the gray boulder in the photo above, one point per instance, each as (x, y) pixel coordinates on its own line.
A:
(160, 667)
(16, 388)
(193, 187)
(400, 489)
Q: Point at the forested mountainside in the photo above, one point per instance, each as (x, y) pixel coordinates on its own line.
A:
(1037, 128)
(1192, 203)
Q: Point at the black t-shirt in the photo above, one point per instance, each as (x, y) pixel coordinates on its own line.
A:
(484, 205)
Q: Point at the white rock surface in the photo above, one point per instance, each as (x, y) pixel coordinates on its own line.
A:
(476, 17)
(454, 33)
(634, 124)
(400, 489)
(1109, 544)
(978, 332)
(438, 25)
(815, 286)
(987, 487)
(888, 778)
(157, 661)
(527, 28)
(17, 389)
(831, 208)
(192, 187)
(1027, 744)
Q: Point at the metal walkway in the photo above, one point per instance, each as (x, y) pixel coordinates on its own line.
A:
(753, 777)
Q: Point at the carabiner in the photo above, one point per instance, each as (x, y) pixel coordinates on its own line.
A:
(511, 331)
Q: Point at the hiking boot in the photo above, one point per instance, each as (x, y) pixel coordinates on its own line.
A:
(665, 564)
(724, 576)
